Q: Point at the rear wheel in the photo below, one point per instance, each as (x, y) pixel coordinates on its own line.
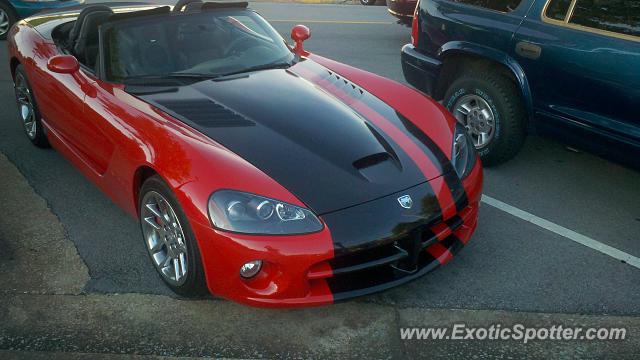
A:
(489, 106)
(28, 112)
(169, 239)
(7, 18)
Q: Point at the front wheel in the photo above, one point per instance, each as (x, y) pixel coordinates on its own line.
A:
(169, 239)
(489, 106)
(7, 18)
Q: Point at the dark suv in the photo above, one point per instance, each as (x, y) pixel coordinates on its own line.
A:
(501, 66)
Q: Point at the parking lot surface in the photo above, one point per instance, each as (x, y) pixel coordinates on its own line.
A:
(510, 265)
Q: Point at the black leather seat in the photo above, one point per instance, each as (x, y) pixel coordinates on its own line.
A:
(85, 33)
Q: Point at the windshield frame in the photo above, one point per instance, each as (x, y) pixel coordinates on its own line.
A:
(101, 69)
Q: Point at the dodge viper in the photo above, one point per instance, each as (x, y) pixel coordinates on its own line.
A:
(258, 171)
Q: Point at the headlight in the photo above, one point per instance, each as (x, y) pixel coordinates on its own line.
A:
(463, 153)
(253, 214)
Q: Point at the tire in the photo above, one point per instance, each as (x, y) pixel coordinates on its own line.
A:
(7, 19)
(368, 2)
(502, 97)
(192, 283)
(28, 112)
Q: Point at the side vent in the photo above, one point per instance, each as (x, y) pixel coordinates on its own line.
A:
(205, 113)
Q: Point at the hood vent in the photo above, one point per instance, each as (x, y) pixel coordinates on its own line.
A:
(205, 113)
(344, 84)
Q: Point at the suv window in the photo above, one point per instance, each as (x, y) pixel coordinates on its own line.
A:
(557, 9)
(617, 16)
(498, 5)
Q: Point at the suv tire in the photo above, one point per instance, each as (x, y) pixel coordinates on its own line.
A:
(501, 96)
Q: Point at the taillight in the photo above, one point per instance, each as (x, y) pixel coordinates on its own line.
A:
(414, 26)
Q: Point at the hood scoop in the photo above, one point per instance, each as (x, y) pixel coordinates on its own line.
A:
(204, 112)
(378, 168)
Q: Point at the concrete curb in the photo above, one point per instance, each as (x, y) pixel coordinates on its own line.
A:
(159, 325)
(33, 243)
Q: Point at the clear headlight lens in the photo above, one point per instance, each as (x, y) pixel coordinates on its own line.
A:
(464, 153)
(253, 214)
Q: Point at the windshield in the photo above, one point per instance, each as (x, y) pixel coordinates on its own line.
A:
(210, 43)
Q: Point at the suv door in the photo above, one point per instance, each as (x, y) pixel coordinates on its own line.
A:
(582, 60)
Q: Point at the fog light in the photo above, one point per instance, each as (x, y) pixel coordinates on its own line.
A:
(251, 269)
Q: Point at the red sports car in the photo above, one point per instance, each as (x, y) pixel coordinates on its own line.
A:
(258, 171)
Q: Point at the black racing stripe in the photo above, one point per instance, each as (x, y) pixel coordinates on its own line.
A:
(366, 235)
(458, 192)
(454, 222)
(428, 257)
(450, 176)
(453, 244)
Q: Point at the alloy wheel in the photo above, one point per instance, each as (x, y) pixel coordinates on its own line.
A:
(4, 22)
(164, 237)
(476, 115)
(25, 106)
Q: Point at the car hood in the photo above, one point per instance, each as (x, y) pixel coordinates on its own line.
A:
(313, 143)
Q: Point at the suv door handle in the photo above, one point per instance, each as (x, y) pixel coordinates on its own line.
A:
(528, 50)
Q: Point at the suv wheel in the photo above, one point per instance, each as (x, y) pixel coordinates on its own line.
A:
(489, 106)
(7, 18)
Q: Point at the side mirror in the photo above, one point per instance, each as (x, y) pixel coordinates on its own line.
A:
(299, 34)
(63, 64)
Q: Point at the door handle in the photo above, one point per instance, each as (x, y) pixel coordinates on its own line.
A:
(528, 50)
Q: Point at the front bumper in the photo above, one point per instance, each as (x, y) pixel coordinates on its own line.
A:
(25, 9)
(320, 268)
(420, 70)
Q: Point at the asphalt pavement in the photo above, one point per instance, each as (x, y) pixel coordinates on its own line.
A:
(510, 265)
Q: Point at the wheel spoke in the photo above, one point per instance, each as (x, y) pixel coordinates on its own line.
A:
(464, 109)
(167, 262)
(487, 114)
(181, 246)
(176, 268)
(154, 209)
(152, 221)
(483, 136)
(164, 210)
(158, 258)
(183, 263)
(157, 246)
